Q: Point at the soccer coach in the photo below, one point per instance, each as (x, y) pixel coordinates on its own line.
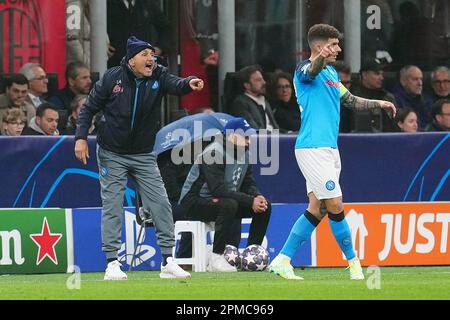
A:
(129, 96)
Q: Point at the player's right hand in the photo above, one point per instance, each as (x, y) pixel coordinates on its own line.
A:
(82, 150)
(327, 51)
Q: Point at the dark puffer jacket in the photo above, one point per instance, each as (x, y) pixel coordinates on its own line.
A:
(131, 108)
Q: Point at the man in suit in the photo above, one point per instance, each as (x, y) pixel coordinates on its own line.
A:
(252, 104)
(38, 80)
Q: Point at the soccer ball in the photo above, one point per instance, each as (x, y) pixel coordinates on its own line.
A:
(255, 258)
(232, 255)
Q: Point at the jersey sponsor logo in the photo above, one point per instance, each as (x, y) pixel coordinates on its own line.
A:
(332, 84)
(330, 185)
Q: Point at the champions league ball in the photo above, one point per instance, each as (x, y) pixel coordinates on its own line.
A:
(232, 255)
(255, 258)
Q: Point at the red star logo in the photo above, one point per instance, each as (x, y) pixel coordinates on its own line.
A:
(46, 241)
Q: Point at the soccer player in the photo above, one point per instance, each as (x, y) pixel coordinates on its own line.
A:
(319, 95)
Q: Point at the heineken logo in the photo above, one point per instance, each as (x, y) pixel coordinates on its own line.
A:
(46, 241)
(33, 241)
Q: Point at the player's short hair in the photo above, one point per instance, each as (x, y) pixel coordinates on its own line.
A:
(437, 107)
(322, 32)
(40, 111)
(246, 73)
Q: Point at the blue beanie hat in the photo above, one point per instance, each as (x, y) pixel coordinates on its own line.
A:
(134, 46)
(240, 125)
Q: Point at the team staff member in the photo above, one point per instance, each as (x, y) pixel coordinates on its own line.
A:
(130, 98)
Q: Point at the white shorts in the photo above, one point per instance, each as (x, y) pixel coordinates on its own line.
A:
(321, 168)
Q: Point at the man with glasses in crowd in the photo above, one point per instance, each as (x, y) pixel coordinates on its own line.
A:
(38, 83)
(440, 83)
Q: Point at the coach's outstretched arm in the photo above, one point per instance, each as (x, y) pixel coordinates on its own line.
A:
(350, 101)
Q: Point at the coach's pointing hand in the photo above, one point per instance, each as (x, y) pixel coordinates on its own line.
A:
(82, 150)
(196, 84)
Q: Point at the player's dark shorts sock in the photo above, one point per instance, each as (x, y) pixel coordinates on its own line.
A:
(300, 233)
(341, 232)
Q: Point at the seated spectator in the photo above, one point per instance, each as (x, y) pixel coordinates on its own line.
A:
(71, 124)
(15, 97)
(45, 123)
(409, 93)
(371, 87)
(13, 122)
(440, 84)
(346, 124)
(344, 73)
(78, 81)
(220, 187)
(441, 116)
(37, 78)
(252, 104)
(284, 102)
(407, 120)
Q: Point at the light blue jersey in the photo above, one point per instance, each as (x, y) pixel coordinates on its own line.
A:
(319, 101)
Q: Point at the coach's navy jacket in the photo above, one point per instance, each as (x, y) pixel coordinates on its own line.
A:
(131, 108)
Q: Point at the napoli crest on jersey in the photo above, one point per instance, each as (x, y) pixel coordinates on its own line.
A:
(330, 185)
(155, 85)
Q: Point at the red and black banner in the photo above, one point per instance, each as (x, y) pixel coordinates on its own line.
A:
(33, 31)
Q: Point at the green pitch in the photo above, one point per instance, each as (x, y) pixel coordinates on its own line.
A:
(329, 283)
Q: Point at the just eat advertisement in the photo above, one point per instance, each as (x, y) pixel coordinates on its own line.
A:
(391, 234)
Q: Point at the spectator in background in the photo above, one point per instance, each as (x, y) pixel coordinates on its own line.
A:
(440, 84)
(407, 120)
(78, 82)
(15, 97)
(282, 99)
(441, 116)
(252, 104)
(13, 122)
(37, 78)
(371, 87)
(141, 18)
(71, 124)
(409, 93)
(343, 69)
(45, 123)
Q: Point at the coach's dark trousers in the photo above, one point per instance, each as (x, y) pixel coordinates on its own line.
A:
(114, 170)
(227, 215)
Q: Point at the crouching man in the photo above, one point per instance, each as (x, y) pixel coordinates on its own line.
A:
(220, 188)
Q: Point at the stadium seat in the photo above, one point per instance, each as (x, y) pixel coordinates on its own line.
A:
(199, 232)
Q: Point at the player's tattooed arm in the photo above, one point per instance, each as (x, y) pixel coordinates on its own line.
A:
(354, 102)
(316, 66)
(350, 101)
